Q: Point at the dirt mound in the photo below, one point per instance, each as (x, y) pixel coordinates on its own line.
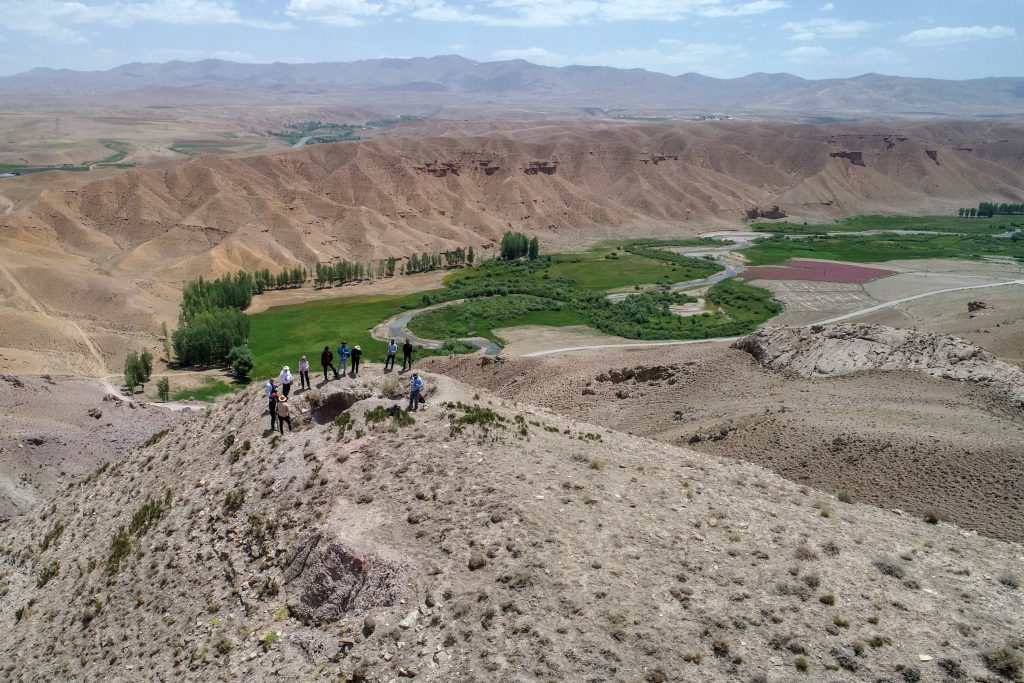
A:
(480, 541)
(819, 351)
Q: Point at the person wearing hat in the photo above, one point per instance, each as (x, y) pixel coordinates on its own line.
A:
(283, 414)
(273, 409)
(356, 354)
(415, 387)
(285, 378)
(304, 374)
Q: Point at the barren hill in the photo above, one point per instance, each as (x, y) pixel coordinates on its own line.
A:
(450, 82)
(484, 542)
(110, 253)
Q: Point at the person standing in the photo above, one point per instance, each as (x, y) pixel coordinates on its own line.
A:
(285, 378)
(407, 355)
(283, 414)
(415, 387)
(270, 388)
(343, 354)
(390, 360)
(304, 374)
(273, 409)
(327, 360)
(356, 355)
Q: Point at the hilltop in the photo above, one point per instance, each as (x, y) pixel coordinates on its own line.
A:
(487, 540)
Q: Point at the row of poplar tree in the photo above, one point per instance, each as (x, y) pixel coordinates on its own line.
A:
(989, 209)
(341, 272)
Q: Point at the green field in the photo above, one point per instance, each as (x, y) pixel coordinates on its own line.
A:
(478, 317)
(997, 224)
(886, 247)
(119, 148)
(211, 389)
(283, 334)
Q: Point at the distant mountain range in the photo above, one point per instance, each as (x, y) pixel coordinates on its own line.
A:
(454, 81)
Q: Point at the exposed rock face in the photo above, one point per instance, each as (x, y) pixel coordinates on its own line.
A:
(819, 351)
(855, 158)
(773, 213)
(328, 579)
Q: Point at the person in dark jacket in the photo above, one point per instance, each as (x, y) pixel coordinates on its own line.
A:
(357, 353)
(407, 355)
(327, 360)
(273, 409)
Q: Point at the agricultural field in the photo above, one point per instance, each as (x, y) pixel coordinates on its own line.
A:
(223, 146)
(929, 223)
(884, 247)
(815, 271)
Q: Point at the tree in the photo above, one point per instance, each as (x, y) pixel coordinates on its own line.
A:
(131, 369)
(470, 256)
(534, 249)
(514, 245)
(391, 266)
(163, 389)
(145, 368)
(166, 341)
(242, 361)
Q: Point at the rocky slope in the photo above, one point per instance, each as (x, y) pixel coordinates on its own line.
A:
(484, 542)
(819, 351)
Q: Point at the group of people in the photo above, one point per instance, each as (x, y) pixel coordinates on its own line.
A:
(280, 413)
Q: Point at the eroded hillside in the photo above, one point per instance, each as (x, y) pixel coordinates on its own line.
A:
(485, 541)
(110, 255)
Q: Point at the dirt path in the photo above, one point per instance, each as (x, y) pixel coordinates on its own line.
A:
(38, 306)
(6, 205)
(826, 321)
(169, 405)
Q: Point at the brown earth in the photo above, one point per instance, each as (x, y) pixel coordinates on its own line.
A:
(109, 255)
(893, 439)
(520, 546)
(58, 430)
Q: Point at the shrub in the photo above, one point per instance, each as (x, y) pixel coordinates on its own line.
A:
(163, 389)
(932, 517)
(1010, 581)
(827, 599)
(241, 360)
(1005, 662)
(800, 662)
(234, 500)
(389, 387)
(889, 567)
(48, 572)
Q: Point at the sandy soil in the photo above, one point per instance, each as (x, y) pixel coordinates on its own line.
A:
(530, 548)
(406, 284)
(894, 440)
(55, 432)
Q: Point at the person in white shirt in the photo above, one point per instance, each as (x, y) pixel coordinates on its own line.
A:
(389, 362)
(304, 374)
(285, 378)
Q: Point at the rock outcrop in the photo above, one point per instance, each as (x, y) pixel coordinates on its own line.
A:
(819, 351)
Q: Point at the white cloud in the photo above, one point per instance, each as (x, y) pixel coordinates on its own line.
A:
(827, 28)
(827, 7)
(520, 13)
(60, 19)
(806, 53)
(948, 35)
(537, 55)
(167, 54)
(756, 7)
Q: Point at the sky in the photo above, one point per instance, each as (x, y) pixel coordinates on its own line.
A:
(953, 39)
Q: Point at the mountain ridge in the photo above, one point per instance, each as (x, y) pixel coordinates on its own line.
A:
(565, 88)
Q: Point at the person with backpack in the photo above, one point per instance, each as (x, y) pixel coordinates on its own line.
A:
(415, 387)
(407, 355)
(304, 374)
(270, 387)
(273, 409)
(327, 360)
(356, 355)
(343, 354)
(390, 360)
(283, 414)
(285, 378)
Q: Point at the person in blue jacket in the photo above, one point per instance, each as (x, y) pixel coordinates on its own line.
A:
(415, 387)
(343, 353)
